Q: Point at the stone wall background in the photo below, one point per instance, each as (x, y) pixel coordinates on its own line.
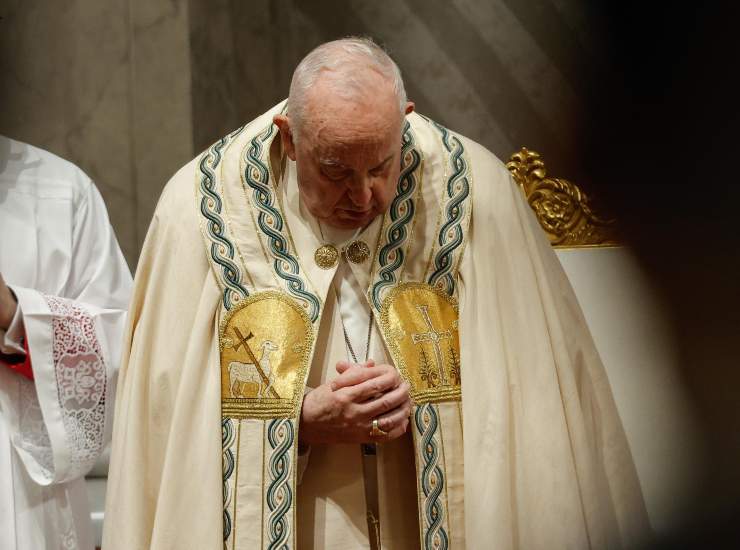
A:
(132, 89)
(105, 85)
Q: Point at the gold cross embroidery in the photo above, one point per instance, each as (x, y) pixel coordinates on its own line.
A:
(242, 341)
(434, 337)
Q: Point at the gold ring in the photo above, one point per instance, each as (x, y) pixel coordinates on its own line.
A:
(376, 431)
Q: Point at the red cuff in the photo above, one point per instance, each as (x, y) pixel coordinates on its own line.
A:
(20, 363)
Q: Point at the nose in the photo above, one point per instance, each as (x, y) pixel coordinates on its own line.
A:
(361, 193)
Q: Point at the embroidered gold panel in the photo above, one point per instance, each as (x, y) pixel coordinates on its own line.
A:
(564, 211)
(420, 325)
(265, 343)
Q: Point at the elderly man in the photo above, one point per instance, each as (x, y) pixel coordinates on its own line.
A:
(348, 331)
(64, 288)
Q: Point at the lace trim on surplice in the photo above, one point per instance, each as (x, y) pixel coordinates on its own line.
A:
(81, 381)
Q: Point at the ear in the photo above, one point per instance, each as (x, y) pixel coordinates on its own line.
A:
(286, 135)
(410, 107)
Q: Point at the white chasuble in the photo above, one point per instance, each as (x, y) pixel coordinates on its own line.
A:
(59, 255)
(235, 315)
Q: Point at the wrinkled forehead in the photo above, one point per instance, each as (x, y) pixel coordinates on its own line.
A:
(331, 106)
(346, 128)
(355, 145)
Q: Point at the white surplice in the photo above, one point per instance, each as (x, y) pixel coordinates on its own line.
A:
(59, 255)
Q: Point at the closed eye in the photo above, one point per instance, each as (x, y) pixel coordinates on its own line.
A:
(335, 174)
(381, 168)
(375, 172)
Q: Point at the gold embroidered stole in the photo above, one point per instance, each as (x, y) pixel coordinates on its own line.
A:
(413, 292)
(269, 318)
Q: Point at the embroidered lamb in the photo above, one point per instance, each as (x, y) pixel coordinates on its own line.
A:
(244, 377)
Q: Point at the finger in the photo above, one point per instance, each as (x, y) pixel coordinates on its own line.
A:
(375, 387)
(394, 418)
(342, 366)
(350, 377)
(357, 375)
(387, 402)
(398, 431)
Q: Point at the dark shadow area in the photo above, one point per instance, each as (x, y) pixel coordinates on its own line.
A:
(578, 62)
(662, 144)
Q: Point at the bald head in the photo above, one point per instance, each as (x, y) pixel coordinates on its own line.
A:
(350, 71)
(343, 130)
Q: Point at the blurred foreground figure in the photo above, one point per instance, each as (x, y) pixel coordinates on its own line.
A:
(64, 288)
(663, 143)
(315, 277)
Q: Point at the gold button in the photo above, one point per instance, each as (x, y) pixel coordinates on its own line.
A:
(326, 256)
(357, 252)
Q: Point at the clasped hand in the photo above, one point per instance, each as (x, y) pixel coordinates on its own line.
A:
(8, 305)
(343, 410)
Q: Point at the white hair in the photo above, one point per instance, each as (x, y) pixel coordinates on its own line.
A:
(353, 60)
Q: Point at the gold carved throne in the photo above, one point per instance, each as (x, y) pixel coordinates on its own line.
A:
(562, 208)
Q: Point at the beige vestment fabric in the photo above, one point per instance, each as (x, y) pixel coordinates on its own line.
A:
(546, 462)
